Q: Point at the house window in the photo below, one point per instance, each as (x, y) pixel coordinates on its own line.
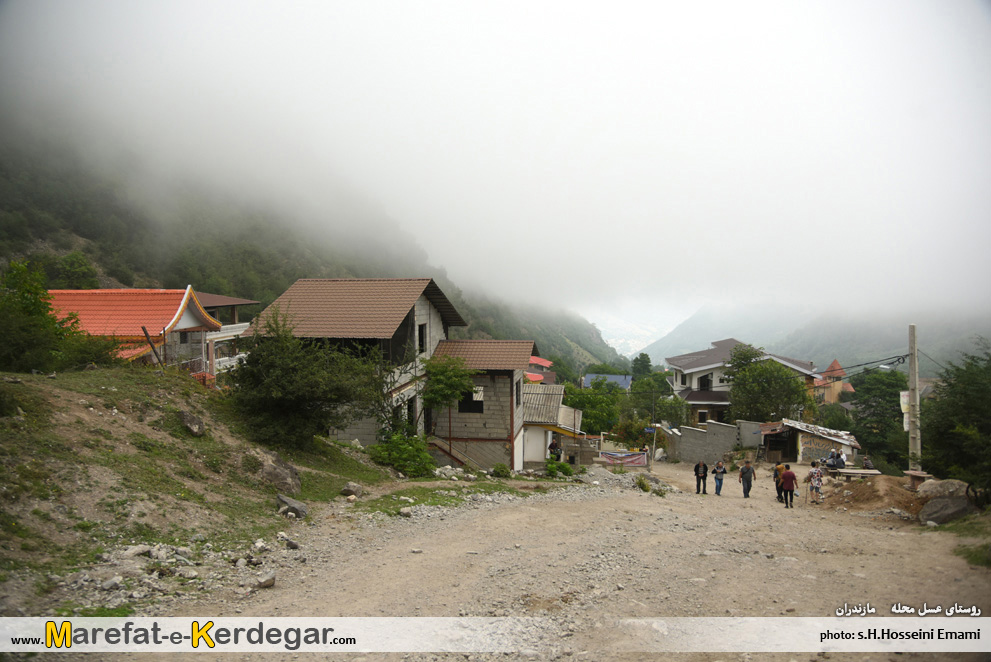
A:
(411, 411)
(183, 338)
(703, 416)
(519, 393)
(705, 382)
(683, 379)
(472, 402)
(421, 338)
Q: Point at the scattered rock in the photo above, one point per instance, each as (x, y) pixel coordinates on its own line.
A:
(280, 473)
(946, 509)
(352, 488)
(932, 489)
(266, 581)
(297, 508)
(193, 424)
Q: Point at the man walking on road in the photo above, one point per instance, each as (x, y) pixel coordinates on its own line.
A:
(788, 482)
(747, 474)
(701, 474)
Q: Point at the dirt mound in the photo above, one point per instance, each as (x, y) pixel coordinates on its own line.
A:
(875, 493)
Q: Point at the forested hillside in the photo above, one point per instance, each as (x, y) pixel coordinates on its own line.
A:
(54, 204)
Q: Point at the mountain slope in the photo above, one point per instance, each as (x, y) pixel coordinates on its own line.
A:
(52, 201)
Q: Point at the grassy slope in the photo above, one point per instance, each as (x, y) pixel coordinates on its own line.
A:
(100, 458)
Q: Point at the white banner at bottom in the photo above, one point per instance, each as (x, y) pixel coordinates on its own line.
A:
(495, 635)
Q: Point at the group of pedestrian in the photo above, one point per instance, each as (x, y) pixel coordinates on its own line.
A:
(785, 480)
(719, 474)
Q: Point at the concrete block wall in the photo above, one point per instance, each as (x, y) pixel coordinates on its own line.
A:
(493, 423)
(710, 445)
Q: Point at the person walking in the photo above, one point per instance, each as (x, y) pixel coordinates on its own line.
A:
(779, 469)
(701, 474)
(814, 479)
(788, 482)
(718, 473)
(747, 475)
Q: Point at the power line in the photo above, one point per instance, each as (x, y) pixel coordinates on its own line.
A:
(933, 360)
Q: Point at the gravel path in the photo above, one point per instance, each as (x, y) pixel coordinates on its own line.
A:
(589, 555)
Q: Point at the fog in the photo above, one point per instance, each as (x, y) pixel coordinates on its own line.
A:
(634, 159)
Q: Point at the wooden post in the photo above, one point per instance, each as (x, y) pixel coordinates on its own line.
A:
(153, 350)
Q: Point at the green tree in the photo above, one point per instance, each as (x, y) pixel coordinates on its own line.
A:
(606, 369)
(956, 425)
(764, 390)
(290, 389)
(877, 419)
(641, 366)
(599, 404)
(564, 369)
(34, 337)
(674, 410)
(447, 379)
(834, 416)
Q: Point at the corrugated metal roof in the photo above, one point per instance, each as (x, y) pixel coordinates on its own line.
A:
(489, 354)
(357, 307)
(840, 436)
(541, 403)
(121, 313)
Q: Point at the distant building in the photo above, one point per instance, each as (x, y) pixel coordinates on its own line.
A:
(699, 378)
(831, 384)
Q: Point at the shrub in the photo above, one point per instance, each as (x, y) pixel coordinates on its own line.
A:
(553, 468)
(501, 471)
(642, 483)
(406, 454)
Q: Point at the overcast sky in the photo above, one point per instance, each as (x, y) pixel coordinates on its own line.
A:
(616, 157)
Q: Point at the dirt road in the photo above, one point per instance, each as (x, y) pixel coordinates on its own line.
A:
(597, 554)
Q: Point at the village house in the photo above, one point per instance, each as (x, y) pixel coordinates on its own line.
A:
(795, 441)
(699, 378)
(486, 427)
(181, 325)
(828, 388)
(403, 318)
(539, 371)
(545, 418)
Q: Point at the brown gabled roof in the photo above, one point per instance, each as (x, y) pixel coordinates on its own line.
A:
(357, 307)
(490, 354)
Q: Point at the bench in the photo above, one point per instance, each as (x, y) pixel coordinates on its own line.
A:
(916, 478)
(856, 473)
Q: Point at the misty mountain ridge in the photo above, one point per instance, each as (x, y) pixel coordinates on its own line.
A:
(850, 338)
(137, 234)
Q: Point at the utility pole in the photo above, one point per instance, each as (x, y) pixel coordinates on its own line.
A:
(914, 436)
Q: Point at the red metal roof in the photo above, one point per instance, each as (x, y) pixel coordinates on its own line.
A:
(534, 377)
(536, 360)
(489, 354)
(122, 313)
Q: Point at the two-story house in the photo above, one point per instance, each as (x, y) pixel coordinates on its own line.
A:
(699, 378)
(486, 426)
(404, 318)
